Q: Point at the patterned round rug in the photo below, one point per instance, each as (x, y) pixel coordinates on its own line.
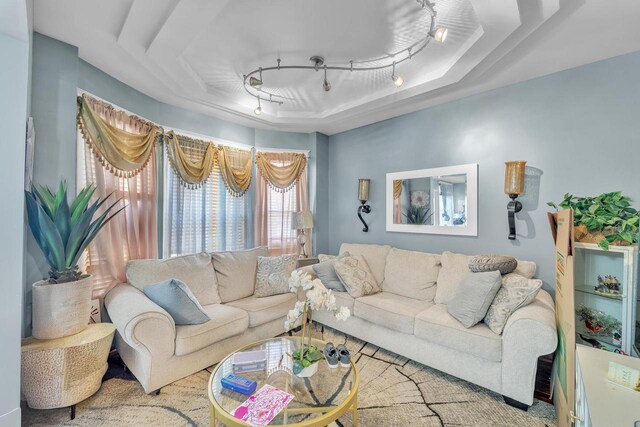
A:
(394, 391)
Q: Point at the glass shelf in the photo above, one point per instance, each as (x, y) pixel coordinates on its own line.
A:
(590, 289)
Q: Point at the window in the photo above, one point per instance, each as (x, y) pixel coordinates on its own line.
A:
(205, 219)
(281, 239)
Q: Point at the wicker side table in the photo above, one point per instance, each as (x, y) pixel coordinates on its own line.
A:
(65, 371)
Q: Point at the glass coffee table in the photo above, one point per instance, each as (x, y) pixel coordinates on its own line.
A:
(318, 400)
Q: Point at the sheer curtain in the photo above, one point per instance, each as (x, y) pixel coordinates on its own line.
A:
(274, 207)
(204, 219)
(132, 234)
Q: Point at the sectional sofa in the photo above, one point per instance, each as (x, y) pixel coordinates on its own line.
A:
(424, 331)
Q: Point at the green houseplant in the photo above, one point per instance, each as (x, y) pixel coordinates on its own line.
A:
(417, 215)
(62, 303)
(607, 219)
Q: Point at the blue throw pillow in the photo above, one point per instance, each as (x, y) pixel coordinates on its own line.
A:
(176, 298)
(326, 272)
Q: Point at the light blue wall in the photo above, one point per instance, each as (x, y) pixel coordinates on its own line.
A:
(581, 127)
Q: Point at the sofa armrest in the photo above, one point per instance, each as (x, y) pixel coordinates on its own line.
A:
(529, 333)
(141, 323)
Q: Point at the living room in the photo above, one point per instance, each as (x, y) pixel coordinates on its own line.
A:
(433, 223)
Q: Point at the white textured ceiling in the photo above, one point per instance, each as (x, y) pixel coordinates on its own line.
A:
(193, 53)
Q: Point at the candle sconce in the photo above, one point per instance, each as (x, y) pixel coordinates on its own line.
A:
(514, 186)
(363, 196)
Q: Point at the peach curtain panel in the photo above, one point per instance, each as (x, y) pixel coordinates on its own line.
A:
(132, 234)
(281, 189)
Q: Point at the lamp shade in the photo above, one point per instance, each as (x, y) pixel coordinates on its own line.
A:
(301, 220)
(363, 189)
(514, 177)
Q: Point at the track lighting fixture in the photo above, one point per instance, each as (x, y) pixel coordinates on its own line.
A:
(439, 34)
(326, 85)
(253, 82)
(397, 80)
(258, 109)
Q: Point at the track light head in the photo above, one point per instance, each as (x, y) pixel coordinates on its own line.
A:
(258, 109)
(325, 84)
(439, 34)
(397, 80)
(253, 82)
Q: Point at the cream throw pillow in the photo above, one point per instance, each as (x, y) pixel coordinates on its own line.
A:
(516, 292)
(455, 267)
(273, 274)
(356, 276)
(236, 272)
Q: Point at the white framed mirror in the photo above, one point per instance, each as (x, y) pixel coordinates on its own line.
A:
(434, 201)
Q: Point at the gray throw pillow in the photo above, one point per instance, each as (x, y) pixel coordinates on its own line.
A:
(176, 298)
(273, 274)
(326, 272)
(503, 264)
(473, 297)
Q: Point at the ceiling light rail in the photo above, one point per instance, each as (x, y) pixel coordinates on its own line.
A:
(253, 81)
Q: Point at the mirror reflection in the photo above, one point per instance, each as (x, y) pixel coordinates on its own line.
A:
(436, 200)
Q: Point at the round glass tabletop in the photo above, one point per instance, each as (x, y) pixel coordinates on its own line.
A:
(328, 391)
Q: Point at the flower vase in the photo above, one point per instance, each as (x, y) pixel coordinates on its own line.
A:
(309, 371)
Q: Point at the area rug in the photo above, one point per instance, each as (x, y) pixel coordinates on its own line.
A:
(394, 391)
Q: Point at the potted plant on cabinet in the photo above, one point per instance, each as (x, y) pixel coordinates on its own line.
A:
(607, 219)
(62, 303)
(317, 297)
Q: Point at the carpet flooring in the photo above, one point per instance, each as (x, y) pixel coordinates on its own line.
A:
(394, 391)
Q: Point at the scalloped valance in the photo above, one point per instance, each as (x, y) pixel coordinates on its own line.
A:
(192, 159)
(235, 167)
(281, 170)
(123, 150)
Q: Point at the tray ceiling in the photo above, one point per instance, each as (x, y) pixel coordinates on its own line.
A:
(193, 53)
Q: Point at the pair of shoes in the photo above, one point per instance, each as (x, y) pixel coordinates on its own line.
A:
(335, 355)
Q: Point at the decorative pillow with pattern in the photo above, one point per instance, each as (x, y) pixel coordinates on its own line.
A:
(516, 292)
(323, 257)
(273, 274)
(356, 276)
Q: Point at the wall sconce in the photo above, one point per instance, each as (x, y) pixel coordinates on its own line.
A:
(514, 186)
(363, 196)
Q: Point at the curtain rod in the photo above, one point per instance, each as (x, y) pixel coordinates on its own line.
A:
(283, 150)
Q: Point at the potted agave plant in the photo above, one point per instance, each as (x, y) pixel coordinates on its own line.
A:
(317, 297)
(62, 303)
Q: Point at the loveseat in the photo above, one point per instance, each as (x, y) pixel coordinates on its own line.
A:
(404, 319)
(159, 352)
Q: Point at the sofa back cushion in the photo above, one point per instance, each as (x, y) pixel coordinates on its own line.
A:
(236, 272)
(195, 270)
(375, 255)
(455, 267)
(411, 274)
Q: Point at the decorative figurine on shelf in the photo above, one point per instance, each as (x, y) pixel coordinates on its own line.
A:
(598, 322)
(608, 286)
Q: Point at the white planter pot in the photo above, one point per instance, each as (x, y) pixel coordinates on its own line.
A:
(62, 309)
(309, 371)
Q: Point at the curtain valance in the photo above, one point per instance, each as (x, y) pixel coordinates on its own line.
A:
(397, 188)
(281, 170)
(123, 150)
(193, 160)
(235, 168)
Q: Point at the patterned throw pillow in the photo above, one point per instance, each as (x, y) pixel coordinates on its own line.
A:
(516, 292)
(503, 264)
(356, 276)
(273, 274)
(324, 258)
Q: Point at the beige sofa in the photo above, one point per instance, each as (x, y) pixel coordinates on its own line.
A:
(156, 350)
(425, 332)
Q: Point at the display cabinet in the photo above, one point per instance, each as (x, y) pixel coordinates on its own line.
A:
(606, 296)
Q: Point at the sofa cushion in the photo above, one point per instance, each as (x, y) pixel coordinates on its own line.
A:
(177, 300)
(236, 272)
(194, 270)
(516, 292)
(454, 268)
(273, 274)
(411, 274)
(375, 255)
(265, 309)
(225, 322)
(355, 275)
(390, 310)
(436, 325)
(343, 299)
(475, 293)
